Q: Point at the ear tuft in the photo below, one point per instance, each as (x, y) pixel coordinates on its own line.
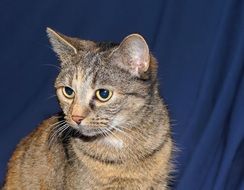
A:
(135, 54)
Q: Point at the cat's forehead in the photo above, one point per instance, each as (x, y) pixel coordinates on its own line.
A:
(90, 62)
(97, 56)
(93, 66)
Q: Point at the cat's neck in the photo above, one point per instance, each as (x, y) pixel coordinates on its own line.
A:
(127, 144)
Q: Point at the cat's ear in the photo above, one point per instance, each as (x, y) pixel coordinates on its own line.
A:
(134, 54)
(63, 45)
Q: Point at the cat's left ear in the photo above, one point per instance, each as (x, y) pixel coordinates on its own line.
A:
(134, 55)
(63, 45)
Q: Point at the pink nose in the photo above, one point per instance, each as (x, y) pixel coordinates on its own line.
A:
(77, 119)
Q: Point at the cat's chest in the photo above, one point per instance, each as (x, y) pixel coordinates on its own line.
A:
(100, 176)
(113, 142)
(77, 176)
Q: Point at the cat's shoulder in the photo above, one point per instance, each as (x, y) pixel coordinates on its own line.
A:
(48, 124)
(40, 134)
(32, 153)
(37, 139)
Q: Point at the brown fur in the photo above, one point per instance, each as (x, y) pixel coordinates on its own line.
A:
(124, 143)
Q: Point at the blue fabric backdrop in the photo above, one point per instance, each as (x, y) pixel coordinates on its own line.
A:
(200, 48)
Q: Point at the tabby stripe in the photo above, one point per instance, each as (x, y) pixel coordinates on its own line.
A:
(135, 94)
(105, 161)
(160, 147)
(94, 79)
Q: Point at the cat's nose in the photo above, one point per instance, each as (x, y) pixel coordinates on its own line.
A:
(77, 118)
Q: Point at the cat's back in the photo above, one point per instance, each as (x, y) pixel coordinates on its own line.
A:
(34, 161)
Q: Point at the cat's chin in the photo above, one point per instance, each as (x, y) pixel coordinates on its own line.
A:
(86, 131)
(90, 133)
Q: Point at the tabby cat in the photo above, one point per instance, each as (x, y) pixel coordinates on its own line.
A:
(113, 132)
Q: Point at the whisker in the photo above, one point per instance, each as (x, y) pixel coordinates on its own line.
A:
(141, 136)
(120, 130)
(57, 116)
(50, 65)
(106, 132)
(52, 96)
(55, 131)
(61, 132)
(67, 128)
(56, 126)
(57, 123)
(111, 132)
(103, 132)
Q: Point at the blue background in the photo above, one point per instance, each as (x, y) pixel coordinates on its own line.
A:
(200, 48)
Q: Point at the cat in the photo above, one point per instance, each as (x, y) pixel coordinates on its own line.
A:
(114, 129)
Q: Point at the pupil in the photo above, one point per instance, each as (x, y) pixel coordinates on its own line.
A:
(68, 90)
(104, 93)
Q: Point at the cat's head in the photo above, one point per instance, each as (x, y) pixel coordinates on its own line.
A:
(103, 87)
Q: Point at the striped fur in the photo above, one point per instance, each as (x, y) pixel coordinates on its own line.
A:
(124, 143)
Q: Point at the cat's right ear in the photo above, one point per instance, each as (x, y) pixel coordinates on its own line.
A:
(133, 55)
(63, 45)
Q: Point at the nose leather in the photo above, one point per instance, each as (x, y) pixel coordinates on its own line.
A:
(77, 119)
(79, 113)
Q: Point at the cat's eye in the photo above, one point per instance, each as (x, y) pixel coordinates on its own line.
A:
(103, 95)
(68, 92)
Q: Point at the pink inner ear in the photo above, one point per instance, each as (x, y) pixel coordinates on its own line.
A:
(135, 54)
(141, 62)
(138, 64)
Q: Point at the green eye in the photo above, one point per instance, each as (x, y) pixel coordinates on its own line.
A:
(103, 95)
(68, 92)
